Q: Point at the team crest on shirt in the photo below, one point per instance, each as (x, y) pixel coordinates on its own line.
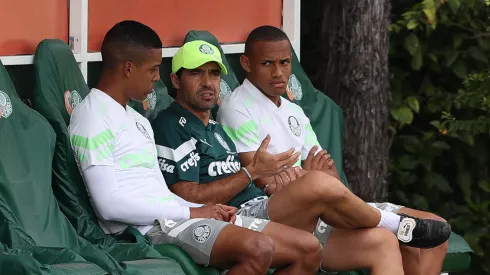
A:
(5, 105)
(224, 90)
(72, 99)
(202, 233)
(294, 125)
(294, 88)
(142, 130)
(206, 49)
(222, 142)
(151, 100)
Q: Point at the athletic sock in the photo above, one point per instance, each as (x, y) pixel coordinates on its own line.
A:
(389, 220)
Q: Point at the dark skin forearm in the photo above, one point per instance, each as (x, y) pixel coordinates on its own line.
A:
(217, 191)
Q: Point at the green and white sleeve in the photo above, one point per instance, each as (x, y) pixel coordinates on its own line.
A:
(242, 129)
(92, 141)
(310, 140)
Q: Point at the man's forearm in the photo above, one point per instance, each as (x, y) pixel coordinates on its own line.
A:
(217, 191)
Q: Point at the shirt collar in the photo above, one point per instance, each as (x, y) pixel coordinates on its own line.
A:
(109, 100)
(260, 97)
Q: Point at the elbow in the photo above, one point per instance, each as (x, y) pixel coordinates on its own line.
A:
(108, 214)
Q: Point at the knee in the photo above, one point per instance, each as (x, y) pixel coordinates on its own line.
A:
(259, 250)
(384, 248)
(325, 187)
(384, 240)
(311, 250)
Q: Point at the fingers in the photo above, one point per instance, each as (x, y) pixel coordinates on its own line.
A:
(289, 161)
(297, 171)
(278, 179)
(233, 219)
(265, 143)
(230, 209)
(329, 164)
(222, 214)
(320, 155)
(323, 160)
(312, 152)
(284, 155)
(291, 174)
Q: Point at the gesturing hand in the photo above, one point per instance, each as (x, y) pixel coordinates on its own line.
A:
(265, 164)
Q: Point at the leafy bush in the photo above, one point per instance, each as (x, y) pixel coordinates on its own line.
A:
(441, 114)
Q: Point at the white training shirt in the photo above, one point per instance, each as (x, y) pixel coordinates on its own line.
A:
(248, 116)
(116, 153)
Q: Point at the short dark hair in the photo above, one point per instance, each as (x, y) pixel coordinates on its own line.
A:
(126, 40)
(264, 33)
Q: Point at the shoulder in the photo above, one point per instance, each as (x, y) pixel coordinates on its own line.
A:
(237, 99)
(293, 108)
(235, 106)
(169, 120)
(171, 129)
(90, 115)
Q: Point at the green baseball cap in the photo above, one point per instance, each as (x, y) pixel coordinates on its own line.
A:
(196, 53)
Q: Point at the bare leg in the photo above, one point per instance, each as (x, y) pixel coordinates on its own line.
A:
(243, 251)
(297, 251)
(375, 249)
(315, 195)
(423, 261)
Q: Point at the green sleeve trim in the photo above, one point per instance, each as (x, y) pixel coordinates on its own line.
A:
(247, 133)
(310, 138)
(92, 143)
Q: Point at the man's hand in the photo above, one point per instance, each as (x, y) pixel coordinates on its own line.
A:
(217, 211)
(321, 161)
(231, 212)
(282, 179)
(265, 164)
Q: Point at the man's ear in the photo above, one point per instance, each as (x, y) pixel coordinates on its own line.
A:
(245, 63)
(175, 80)
(128, 68)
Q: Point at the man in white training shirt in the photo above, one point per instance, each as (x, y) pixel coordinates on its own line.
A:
(115, 150)
(255, 109)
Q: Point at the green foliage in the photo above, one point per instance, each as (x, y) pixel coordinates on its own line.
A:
(441, 114)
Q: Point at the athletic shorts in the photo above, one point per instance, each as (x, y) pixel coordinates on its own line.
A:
(257, 208)
(197, 236)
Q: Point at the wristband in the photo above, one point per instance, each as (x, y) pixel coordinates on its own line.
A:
(248, 173)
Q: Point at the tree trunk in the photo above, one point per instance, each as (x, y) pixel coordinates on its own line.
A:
(349, 54)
